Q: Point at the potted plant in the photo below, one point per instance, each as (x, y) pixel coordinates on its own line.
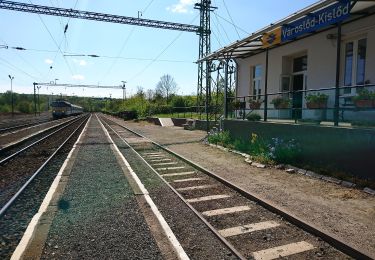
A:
(281, 103)
(316, 101)
(364, 99)
(255, 104)
(236, 105)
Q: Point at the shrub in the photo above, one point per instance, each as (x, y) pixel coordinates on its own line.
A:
(253, 117)
(220, 138)
(316, 98)
(280, 102)
(284, 151)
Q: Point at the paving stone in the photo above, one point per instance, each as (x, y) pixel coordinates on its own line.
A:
(313, 175)
(258, 165)
(347, 184)
(331, 180)
(248, 161)
(369, 191)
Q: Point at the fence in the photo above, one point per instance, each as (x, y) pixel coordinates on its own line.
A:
(354, 104)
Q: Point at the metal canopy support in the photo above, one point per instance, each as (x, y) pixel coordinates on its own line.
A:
(337, 90)
(266, 89)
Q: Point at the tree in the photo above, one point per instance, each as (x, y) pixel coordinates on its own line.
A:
(166, 86)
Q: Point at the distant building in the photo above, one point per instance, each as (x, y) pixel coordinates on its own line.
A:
(302, 55)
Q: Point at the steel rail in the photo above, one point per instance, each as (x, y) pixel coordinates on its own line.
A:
(330, 238)
(8, 129)
(38, 141)
(20, 191)
(216, 233)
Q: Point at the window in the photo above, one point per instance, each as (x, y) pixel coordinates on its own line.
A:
(355, 63)
(348, 64)
(300, 64)
(257, 77)
(361, 62)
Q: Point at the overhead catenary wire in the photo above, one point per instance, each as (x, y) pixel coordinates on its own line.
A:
(230, 17)
(53, 39)
(124, 44)
(161, 53)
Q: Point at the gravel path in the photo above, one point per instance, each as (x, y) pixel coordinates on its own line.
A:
(99, 217)
(347, 213)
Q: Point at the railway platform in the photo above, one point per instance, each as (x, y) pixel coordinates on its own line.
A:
(92, 211)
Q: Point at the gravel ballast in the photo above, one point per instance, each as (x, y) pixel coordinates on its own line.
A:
(348, 213)
(98, 215)
(195, 237)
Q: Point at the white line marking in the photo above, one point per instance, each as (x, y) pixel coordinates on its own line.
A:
(217, 212)
(31, 228)
(234, 231)
(189, 179)
(172, 238)
(177, 174)
(170, 168)
(165, 163)
(152, 153)
(196, 187)
(155, 156)
(282, 251)
(161, 160)
(206, 198)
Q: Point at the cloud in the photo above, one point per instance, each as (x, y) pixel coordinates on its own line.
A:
(181, 7)
(80, 62)
(48, 61)
(78, 77)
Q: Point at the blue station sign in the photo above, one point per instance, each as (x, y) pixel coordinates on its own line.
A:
(314, 21)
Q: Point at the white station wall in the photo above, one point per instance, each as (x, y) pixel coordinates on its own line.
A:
(321, 52)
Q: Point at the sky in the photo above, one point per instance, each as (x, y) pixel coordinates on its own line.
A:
(137, 55)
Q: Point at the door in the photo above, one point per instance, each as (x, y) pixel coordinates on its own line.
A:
(298, 83)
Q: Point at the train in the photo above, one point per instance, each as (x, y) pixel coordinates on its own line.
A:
(62, 108)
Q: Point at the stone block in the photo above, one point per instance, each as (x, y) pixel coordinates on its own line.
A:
(258, 165)
(313, 175)
(331, 180)
(290, 170)
(369, 191)
(347, 184)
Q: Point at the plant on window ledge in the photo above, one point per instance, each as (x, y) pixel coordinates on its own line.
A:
(255, 104)
(364, 99)
(316, 101)
(281, 103)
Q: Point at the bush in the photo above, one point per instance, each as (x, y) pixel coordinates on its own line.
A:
(220, 138)
(284, 151)
(24, 107)
(253, 117)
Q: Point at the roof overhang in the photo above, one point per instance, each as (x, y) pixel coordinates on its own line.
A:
(253, 44)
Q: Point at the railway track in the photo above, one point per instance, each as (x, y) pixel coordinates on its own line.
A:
(252, 228)
(26, 178)
(16, 143)
(7, 129)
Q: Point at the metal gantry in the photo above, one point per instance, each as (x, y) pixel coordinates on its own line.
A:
(204, 95)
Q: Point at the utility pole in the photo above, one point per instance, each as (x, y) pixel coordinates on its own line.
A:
(38, 99)
(11, 92)
(123, 90)
(35, 97)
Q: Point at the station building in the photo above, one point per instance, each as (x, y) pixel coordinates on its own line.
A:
(325, 52)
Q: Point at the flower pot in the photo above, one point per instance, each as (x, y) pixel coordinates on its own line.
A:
(316, 105)
(364, 103)
(255, 105)
(282, 106)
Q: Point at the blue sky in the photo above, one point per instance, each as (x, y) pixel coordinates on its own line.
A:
(134, 54)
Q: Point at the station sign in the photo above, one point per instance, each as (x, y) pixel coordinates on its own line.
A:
(330, 15)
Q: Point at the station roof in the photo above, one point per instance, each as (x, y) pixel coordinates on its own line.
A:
(253, 44)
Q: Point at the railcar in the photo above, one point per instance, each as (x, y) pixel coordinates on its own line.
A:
(62, 108)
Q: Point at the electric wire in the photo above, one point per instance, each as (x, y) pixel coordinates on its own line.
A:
(222, 27)
(124, 45)
(230, 17)
(53, 39)
(25, 61)
(9, 65)
(161, 53)
(226, 20)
